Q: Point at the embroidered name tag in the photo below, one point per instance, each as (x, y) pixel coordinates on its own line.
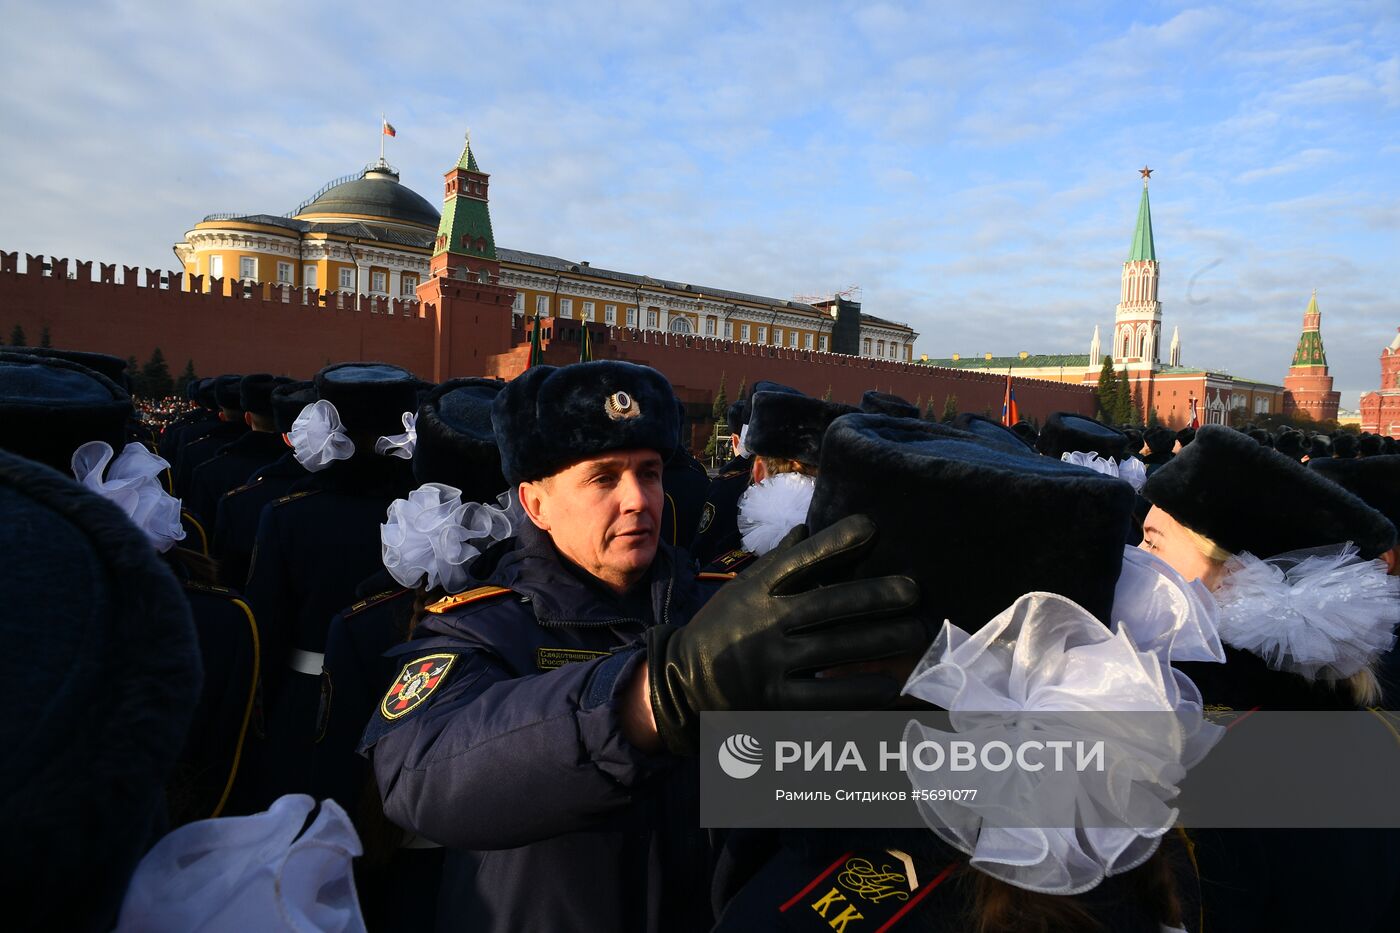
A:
(548, 659)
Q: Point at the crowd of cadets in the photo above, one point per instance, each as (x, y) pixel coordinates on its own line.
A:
(322, 643)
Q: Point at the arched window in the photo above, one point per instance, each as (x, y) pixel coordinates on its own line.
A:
(680, 324)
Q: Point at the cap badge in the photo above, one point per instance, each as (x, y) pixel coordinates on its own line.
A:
(622, 407)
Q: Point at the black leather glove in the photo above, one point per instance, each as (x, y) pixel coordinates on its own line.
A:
(757, 643)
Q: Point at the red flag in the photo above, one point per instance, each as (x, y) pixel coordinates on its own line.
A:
(1195, 418)
(389, 129)
(1009, 413)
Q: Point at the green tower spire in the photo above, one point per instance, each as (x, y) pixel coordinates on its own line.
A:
(1310, 351)
(1142, 236)
(465, 227)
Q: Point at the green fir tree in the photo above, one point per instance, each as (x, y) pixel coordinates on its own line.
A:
(950, 409)
(827, 396)
(44, 340)
(1108, 406)
(156, 376)
(133, 376)
(928, 411)
(1135, 417)
(743, 388)
(183, 383)
(1122, 398)
(17, 338)
(720, 409)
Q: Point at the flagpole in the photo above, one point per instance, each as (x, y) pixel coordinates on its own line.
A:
(382, 121)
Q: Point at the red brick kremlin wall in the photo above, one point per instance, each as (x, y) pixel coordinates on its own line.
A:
(457, 328)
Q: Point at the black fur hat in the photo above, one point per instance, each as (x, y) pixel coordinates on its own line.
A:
(737, 416)
(51, 407)
(1344, 445)
(991, 431)
(552, 416)
(1245, 497)
(1067, 432)
(882, 403)
(456, 443)
(1290, 444)
(1135, 441)
(1186, 436)
(369, 397)
(1375, 480)
(942, 501)
(790, 427)
(288, 399)
(1026, 432)
(113, 367)
(763, 385)
(227, 392)
(103, 672)
(255, 392)
(204, 394)
(1368, 445)
(1161, 441)
(1389, 447)
(1261, 437)
(1319, 445)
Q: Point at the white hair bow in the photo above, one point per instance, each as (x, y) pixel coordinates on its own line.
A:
(400, 445)
(317, 437)
(133, 483)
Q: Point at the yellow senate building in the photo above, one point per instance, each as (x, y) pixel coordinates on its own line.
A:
(369, 234)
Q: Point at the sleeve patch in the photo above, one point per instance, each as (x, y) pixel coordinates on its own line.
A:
(418, 680)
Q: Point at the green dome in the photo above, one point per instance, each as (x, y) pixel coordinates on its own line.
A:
(376, 193)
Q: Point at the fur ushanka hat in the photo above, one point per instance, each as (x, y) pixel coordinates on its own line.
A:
(51, 407)
(790, 427)
(945, 504)
(1066, 432)
(1245, 497)
(456, 443)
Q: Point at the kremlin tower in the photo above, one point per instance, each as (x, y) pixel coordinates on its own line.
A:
(1307, 389)
(1137, 321)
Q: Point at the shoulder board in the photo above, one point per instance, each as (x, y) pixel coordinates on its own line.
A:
(735, 559)
(713, 575)
(374, 600)
(733, 473)
(295, 496)
(244, 488)
(208, 588)
(463, 599)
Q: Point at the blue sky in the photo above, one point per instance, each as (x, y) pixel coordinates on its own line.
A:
(971, 166)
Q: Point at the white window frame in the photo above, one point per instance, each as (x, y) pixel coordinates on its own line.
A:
(216, 267)
(762, 334)
(867, 347)
(631, 317)
(610, 314)
(709, 327)
(248, 268)
(408, 285)
(806, 341)
(566, 308)
(347, 279)
(286, 273)
(792, 339)
(310, 276)
(744, 333)
(822, 343)
(728, 330)
(378, 282)
(777, 336)
(587, 314)
(542, 306)
(652, 317)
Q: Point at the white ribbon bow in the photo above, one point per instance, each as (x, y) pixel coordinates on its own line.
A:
(133, 483)
(432, 536)
(317, 437)
(1049, 659)
(770, 509)
(400, 445)
(1316, 612)
(1132, 470)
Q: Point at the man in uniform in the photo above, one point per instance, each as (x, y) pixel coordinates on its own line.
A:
(718, 532)
(236, 461)
(535, 723)
(236, 521)
(227, 393)
(686, 485)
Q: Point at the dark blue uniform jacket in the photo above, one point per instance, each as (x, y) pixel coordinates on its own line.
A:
(718, 530)
(230, 467)
(516, 762)
(236, 527)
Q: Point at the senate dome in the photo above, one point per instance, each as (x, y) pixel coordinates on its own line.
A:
(375, 195)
